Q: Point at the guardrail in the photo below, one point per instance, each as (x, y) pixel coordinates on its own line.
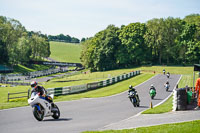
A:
(80, 88)
(26, 76)
(90, 86)
(14, 83)
(27, 95)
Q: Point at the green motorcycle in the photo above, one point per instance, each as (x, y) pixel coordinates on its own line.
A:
(152, 93)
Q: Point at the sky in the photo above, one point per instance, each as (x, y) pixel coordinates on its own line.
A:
(84, 18)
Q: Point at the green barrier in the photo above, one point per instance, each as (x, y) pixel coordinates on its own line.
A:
(58, 91)
(118, 78)
(189, 96)
(122, 77)
(100, 84)
(107, 82)
(127, 76)
(113, 80)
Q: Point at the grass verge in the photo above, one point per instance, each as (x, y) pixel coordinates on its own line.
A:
(163, 108)
(184, 127)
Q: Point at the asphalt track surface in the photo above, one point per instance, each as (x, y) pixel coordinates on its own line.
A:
(86, 114)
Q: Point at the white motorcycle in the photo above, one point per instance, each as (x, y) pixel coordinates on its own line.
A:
(42, 108)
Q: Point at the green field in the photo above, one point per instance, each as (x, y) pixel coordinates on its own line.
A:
(184, 127)
(65, 52)
(23, 69)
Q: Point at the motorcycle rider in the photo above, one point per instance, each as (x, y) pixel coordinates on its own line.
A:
(164, 71)
(168, 74)
(41, 90)
(167, 83)
(134, 91)
(152, 87)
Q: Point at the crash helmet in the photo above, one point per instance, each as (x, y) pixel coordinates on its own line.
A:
(130, 86)
(151, 85)
(33, 84)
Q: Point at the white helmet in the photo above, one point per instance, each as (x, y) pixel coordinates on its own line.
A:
(33, 84)
(130, 86)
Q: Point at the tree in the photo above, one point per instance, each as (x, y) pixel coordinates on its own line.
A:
(99, 52)
(132, 37)
(83, 40)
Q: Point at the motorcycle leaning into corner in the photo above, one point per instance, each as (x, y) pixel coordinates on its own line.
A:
(133, 96)
(166, 86)
(42, 108)
(152, 93)
(168, 75)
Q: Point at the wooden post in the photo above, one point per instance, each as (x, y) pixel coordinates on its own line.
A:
(28, 93)
(151, 105)
(193, 78)
(8, 96)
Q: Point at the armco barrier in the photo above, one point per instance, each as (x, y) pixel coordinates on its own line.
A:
(89, 86)
(78, 88)
(58, 91)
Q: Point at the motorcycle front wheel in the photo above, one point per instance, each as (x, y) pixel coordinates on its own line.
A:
(56, 114)
(134, 102)
(138, 104)
(38, 114)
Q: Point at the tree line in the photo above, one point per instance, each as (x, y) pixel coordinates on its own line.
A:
(63, 38)
(158, 41)
(18, 46)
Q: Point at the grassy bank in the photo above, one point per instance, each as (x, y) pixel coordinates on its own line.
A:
(184, 127)
(65, 52)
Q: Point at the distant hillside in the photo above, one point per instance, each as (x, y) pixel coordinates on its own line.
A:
(65, 52)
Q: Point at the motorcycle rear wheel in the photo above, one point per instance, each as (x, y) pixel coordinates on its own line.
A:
(39, 115)
(56, 114)
(138, 104)
(152, 97)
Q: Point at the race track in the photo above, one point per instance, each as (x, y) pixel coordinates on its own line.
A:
(86, 114)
